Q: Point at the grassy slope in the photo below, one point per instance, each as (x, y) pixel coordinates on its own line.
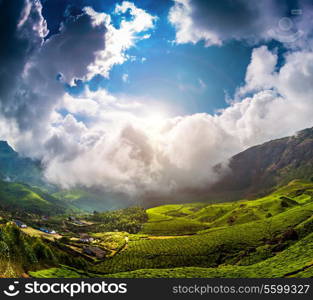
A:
(191, 218)
(255, 221)
(245, 247)
(55, 273)
(88, 200)
(291, 260)
(23, 197)
(223, 245)
(172, 220)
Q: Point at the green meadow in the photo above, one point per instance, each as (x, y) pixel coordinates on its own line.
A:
(266, 237)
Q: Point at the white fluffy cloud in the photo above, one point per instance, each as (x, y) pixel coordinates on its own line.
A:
(131, 146)
(260, 71)
(125, 151)
(253, 21)
(282, 99)
(119, 40)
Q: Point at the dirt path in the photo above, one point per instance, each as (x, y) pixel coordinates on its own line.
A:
(125, 245)
(37, 233)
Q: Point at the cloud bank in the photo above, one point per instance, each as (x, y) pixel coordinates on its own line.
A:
(126, 145)
(251, 21)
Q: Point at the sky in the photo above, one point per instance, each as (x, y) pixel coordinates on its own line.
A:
(202, 75)
(144, 98)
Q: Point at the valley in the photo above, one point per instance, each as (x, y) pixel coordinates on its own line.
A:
(266, 237)
(44, 233)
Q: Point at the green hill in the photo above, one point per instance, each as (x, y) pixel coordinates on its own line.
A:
(268, 237)
(273, 228)
(89, 200)
(17, 169)
(20, 253)
(295, 261)
(21, 197)
(178, 219)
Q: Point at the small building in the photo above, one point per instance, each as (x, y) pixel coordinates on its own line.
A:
(71, 218)
(75, 221)
(94, 251)
(45, 230)
(85, 238)
(20, 224)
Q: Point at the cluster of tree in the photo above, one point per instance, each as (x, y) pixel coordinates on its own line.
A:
(16, 246)
(129, 219)
(30, 252)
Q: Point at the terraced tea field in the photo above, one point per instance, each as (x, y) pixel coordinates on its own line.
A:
(207, 249)
(248, 238)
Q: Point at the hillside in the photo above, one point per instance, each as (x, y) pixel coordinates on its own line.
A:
(17, 169)
(22, 197)
(89, 199)
(249, 235)
(268, 237)
(260, 169)
(22, 171)
(13, 167)
(20, 252)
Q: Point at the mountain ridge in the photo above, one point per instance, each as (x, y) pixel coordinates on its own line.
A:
(15, 168)
(262, 168)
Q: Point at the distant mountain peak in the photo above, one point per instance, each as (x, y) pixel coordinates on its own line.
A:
(4, 146)
(13, 167)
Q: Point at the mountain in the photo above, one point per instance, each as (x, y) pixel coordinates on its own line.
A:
(23, 187)
(14, 168)
(28, 174)
(90, 199)
(260, 169)
(22, 197)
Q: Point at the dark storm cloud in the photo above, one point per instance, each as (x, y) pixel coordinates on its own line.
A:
(236, 19)
(215, 22)
(20, 35)
(73, 49)
(30, 67)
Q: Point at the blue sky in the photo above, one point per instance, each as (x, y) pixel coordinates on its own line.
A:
(191, 78)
